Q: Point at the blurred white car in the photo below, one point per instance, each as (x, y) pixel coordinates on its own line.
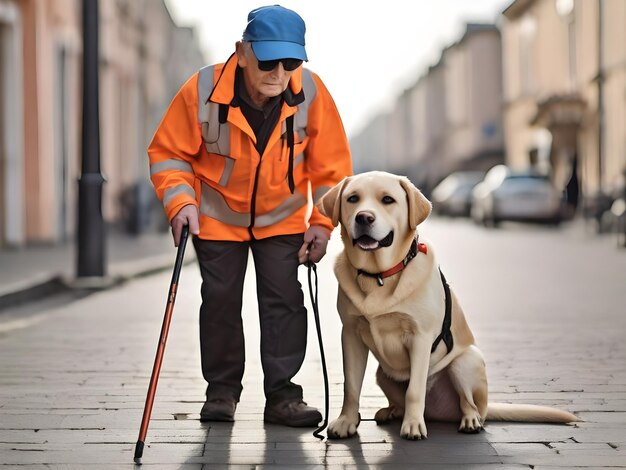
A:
(526, 196)
(453, 195)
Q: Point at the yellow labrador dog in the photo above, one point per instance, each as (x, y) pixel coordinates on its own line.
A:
(394, 301)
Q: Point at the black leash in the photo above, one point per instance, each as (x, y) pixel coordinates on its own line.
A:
(316, 313)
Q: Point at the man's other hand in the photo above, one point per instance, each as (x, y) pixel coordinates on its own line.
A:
(315, 242)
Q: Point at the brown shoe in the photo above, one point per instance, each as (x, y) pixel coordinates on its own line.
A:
(218, 409)
(292, 412)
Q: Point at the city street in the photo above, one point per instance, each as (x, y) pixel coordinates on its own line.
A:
(547, 307)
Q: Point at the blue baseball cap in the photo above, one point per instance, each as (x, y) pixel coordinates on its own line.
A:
(276, 33)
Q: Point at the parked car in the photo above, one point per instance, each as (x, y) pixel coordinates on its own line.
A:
(453, 195)
(514, 195)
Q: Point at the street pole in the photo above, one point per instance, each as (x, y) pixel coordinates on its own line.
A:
(90, 221)
(600, 96)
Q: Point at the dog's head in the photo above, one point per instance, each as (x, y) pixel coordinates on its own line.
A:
(378, 213)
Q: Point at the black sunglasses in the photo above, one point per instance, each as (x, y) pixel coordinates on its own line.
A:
(288, 64)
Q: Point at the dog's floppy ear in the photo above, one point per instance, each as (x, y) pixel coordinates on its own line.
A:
(419, 206)
(330, 203)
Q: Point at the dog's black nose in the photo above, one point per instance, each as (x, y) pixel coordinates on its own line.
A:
(365, 218)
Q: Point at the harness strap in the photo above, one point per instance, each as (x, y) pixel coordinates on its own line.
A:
(446, 334)
(223, 113)
(290, 144)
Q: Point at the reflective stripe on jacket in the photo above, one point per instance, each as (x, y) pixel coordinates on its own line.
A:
(195, 159)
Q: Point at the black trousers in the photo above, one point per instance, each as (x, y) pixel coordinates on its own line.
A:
(283, 317)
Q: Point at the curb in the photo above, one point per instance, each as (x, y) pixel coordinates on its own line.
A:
(47, 286)
(32, 291)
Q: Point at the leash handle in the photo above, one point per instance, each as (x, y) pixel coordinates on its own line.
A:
(313, 270)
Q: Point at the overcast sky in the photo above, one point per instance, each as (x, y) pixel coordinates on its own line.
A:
(366, 52)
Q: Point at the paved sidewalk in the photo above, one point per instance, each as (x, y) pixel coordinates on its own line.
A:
(546, 308)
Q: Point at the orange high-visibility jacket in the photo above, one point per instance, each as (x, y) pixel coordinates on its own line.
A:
(197, 159)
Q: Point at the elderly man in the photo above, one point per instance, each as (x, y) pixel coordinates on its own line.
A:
(241, 154)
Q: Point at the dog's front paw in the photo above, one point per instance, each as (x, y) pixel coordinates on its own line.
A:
(471, 424)
(343, 427)
(413, 429)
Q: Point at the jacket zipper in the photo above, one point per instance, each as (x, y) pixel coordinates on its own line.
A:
(253, 199)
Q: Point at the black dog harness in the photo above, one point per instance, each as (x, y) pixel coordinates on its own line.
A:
(446, 333)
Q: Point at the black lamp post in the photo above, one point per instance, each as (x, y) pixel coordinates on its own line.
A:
(601, 78)
(90, 221)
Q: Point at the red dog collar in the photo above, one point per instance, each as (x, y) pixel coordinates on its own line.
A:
(413, 251)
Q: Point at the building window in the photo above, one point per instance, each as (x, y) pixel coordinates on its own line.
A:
(528, 31)
(565, 9)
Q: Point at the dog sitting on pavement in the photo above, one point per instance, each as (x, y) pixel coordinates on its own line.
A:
(394, 301)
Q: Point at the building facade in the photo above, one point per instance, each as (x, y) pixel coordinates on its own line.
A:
(450, 119)
(565, 94)
(40, 107)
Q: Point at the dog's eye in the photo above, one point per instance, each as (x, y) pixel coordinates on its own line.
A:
(353, 198)
(388, 200)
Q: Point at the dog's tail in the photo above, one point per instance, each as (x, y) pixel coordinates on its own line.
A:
(528, 413)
